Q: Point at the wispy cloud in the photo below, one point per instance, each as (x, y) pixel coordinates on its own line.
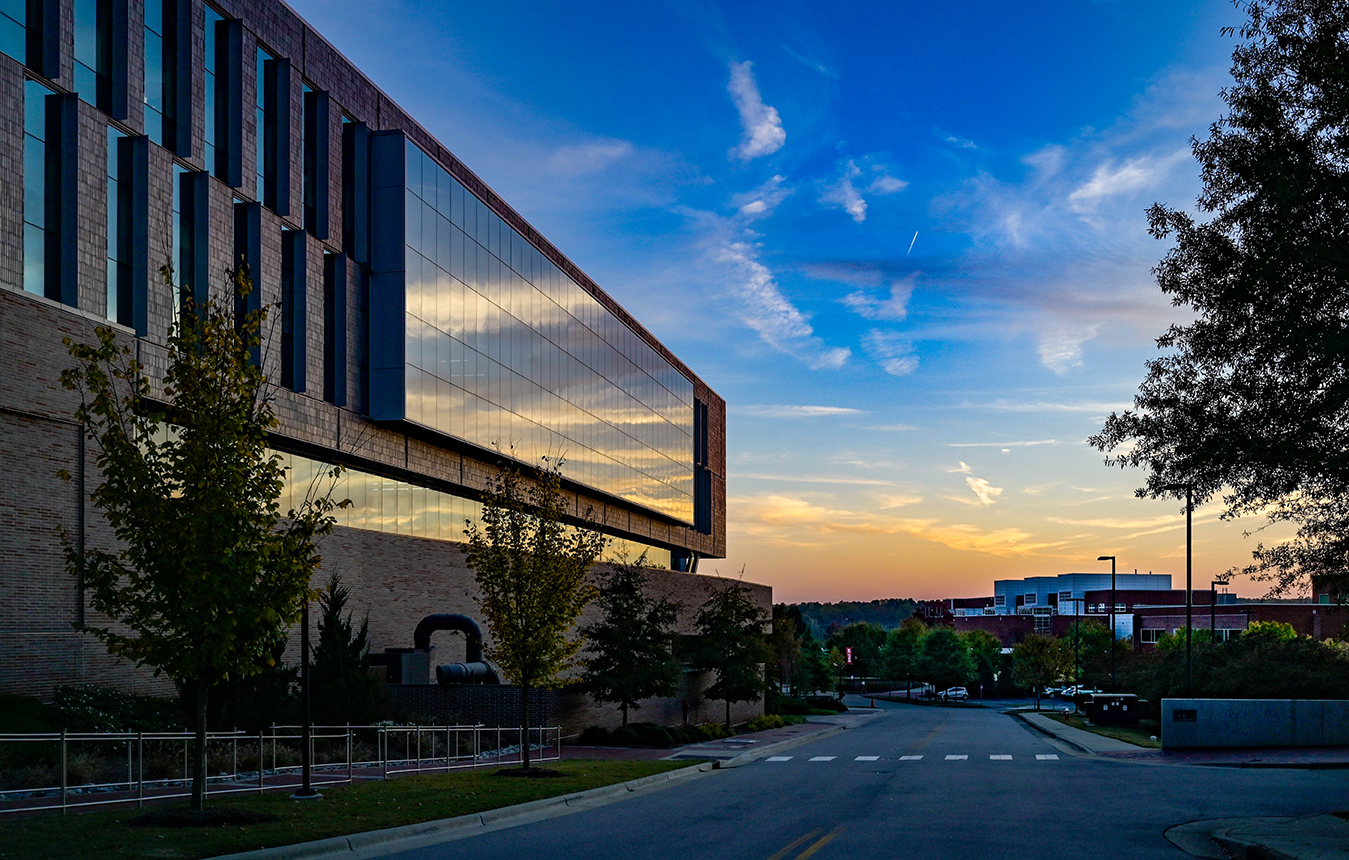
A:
(588, 158)
(1092, 407)
(1061, 346)
(986, 492)
(800, 521)
(896, 307)
(813, 479)
(1029, 444)
(1136, 174)
(893, 352)
(962, 469)
(761, 202)
(763, 131)
(890, 428)
(844, 195)
(794, 411)
(960, 142)
(766, 310)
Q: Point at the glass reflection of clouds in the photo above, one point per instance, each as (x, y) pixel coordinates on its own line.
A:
(385, 505)
(504, 348)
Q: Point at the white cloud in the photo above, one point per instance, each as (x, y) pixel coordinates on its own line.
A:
(1029, 444)
(1133, 175)
(986, 492)
(844, 194)
(895, 308)
(892, 352)
(888, 501)
(588, 158)
(1061, 348)
(763, 132)
(885, 183)
(795, 411)
(767, 311)
(962, 469)
(763, 200)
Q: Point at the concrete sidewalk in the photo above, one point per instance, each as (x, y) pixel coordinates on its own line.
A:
(1088, 742)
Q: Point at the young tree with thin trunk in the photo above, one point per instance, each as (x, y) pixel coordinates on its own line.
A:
(531, 573)
(732, 644)
(631, 647)
(210, 574)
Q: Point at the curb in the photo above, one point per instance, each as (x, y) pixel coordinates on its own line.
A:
(445, 829)
(754, 755)
(1243, 850)
(1056, 736)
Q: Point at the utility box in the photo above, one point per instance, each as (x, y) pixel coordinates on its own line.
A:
(1114, 709)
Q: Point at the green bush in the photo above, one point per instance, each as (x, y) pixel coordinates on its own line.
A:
(828, 704)
(102, 709)
(765, 722)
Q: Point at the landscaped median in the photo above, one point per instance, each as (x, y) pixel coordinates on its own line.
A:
(343, 811)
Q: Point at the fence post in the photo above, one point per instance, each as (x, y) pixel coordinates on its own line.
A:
(349, 775)
(140, 768)
(261, 769)
(383, 743)
(63, 771)
(419, 749)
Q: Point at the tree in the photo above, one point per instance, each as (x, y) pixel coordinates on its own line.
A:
(342, 690)
(1252, 400)
(209, 575)
(631, 647)
(865, 640)
(811, 673)
(903, 649)
(531, 574)
(1266, 632)
(1038, 661)
(945, 661)
(784, 644)
(731, 644)
(985, 653)
(1089, 642)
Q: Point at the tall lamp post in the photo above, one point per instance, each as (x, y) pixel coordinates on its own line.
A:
(1189, 572)
(1114, 684)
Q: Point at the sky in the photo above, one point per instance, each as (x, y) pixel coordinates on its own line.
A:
(906, 242)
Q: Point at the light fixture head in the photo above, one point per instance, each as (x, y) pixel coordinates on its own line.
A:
(1105, 558)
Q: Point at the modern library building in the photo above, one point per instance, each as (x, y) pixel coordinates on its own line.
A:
(421, 331)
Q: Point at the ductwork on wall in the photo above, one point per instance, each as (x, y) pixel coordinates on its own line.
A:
(474, 669)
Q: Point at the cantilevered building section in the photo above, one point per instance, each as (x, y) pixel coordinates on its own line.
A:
(422, 329)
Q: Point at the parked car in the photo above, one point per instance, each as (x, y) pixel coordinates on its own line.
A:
(953, 693)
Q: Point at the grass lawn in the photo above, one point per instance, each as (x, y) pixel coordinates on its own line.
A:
(1140, 734)
(351, 809)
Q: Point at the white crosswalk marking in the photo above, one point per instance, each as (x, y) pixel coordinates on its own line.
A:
(778, 758)
(823, 758)
(957, 757)
(1046, 757)
(910, 758)
(867, 758)
(999, 758)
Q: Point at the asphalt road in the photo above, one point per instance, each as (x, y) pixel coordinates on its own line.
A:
(936, 782)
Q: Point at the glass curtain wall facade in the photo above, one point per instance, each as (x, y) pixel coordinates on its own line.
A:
(501, 348)
(398, 507)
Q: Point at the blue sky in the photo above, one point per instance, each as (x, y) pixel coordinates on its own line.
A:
(905, 242)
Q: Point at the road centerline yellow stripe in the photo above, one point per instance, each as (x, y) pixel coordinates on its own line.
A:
(783, 853)
(928, 739)
(823, 841)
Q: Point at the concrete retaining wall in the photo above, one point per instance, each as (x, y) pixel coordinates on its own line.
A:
(1197, 723)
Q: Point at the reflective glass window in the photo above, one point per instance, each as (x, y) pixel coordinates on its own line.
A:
(14, 28)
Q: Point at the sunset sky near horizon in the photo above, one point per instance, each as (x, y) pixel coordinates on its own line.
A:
(906, 242)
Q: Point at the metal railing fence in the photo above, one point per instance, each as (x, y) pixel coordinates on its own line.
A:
(85, 769)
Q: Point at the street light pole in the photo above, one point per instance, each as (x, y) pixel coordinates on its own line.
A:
(1189, 578)
(1114, 682)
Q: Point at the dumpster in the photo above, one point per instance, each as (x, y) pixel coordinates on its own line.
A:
(1114, 709)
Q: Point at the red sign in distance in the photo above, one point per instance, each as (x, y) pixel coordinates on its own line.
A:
(849, 650)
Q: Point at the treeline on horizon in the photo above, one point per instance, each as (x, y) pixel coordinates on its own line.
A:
(825, 618)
